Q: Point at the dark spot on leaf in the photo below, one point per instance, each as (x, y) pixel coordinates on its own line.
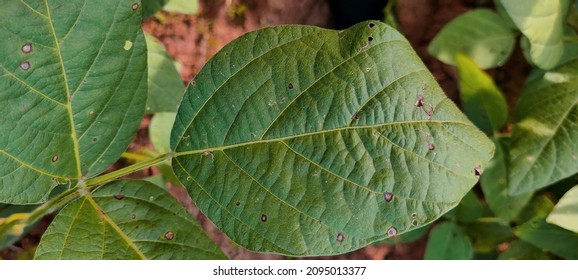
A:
(478, 171)
(208, 153)
(133, 216)
(196, 241)
(169, 235)
(388, 196)
(237, 203)
(414, 215)
(118, 196)
(414, 222)
(340, 237)
(94, 139)
(369, 39)
(431, 146)
(263, 218)
(27, 48)
(290, 86)
(419, 101)
(371, 25)
(135, 6)
(193, 82)
(54, 158)
(391, 232)
(25, 65)
(355, 117)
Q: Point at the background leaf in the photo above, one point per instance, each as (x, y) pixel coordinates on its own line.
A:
(151, 7)
(549, 237)
(72, 84)
(494, 184)
(126, 220)
(182, 6)
(565, 213)
(160, 131)
(165, 87)
(305, 141)
(447, 241)
(482, 100)
(486, 234)
(520, 250)
(480, 34)
(544, 146)
(542, 22)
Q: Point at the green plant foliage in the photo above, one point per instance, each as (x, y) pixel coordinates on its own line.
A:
(305, 141)
(565, 213)
(126, 220)
(542, 22)
(549, 237)
(539, 206)
(482, 100)
(486, 234)
(544, 146)
(480, 34)
(71, 84)
(151, 7)
(447, 241)
(494, 184)
(182, 6)
(520, 250)
(469, 209)
(407, 237)
(160, 131)
(9, 216)
(165, 85)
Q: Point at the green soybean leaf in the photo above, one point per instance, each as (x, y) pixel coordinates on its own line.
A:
(182, 6)
(407, 237)
(483, 102)
(447, 241)
(539, 206)
(565, 213)
(494, 184)
(126, 220)
(542, 22)
(486, 234)
(72, 84)
(151, 7)
(11, 228)
(520, 250)
(544, 146)
(480, 34)
(305, 141)
(549, 237)
(165, 88)
(160, 131)
(469, 209)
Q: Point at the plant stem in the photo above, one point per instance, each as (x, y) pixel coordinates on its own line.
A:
(134, 157)
(108, 177)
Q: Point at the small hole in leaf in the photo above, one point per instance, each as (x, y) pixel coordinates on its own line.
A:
(340, 237)
(54, 158)
(391, 232)
(25, 65)
(118, 196)
(478, 171)
(135, 6)
(414, 222)
(371, 25)
(388, 196)
(369, 39)
(290, 86)
(169, 235)
(263, 218)
(27, 48)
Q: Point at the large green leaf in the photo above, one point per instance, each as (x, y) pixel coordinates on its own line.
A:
(480, 34)
(494, 183)
(544, 147)
(565, 213)
(126, 220)
(542, 22)
(549, 237)
(305, 141)
(447, 241)
(483, 102)
(72, 88)
(165, 87)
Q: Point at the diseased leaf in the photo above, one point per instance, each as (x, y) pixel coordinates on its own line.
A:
(480, 34)
(305, 141)
(494, 184)
(447, 241)
(72, 84)
(407, 237)
(544, 146)
(541, 21)
(165, 88)
(483, 102)
(520, 250)
(549, 237)
(126, 220)
(565, 213)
